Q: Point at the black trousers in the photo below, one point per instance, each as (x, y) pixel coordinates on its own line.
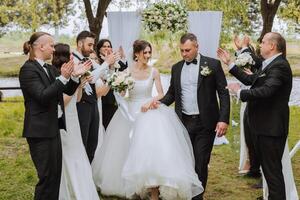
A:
(202, 141)
(108, 111)
(46, 154)
(271, 151)
(249, 139)
(88, 115)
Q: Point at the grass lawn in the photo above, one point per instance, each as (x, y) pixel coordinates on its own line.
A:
(18, 175)
(166, 52)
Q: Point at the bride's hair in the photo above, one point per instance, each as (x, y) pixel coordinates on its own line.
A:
(140, 45)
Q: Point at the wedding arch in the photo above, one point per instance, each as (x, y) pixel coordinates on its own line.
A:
(125, 27)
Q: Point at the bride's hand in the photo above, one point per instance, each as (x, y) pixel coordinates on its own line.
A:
(123, 93)
(146, 107)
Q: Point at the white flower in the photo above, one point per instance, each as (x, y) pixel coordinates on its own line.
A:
(244, 59)
(205, 71)
(170, 16)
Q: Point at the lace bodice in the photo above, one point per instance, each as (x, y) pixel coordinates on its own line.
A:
(142, 89)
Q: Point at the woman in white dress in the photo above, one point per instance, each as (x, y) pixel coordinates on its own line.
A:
(76, 179)
(152, 154)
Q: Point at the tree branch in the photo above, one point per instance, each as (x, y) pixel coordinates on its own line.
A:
(89, 11)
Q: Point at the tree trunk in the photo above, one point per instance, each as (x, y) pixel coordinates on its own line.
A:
(268, 12)
(95, 23)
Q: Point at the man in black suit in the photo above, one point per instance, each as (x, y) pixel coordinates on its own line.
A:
(195, 82)
(43, 89)
(87, 107)
(268, 109)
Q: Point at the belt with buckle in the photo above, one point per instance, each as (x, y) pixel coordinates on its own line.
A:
(191, 116)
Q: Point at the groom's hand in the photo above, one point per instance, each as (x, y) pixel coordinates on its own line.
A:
(221, 129)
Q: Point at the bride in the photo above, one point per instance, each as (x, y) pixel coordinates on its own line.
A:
(151, 154)
(76, 177)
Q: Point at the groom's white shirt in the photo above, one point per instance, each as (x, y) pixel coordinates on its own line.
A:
(189, 85)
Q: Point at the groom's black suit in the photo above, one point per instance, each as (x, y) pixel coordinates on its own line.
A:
(268, 117)
(42, 94)
(201, 127)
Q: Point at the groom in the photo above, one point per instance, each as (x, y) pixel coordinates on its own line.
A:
(195, 80)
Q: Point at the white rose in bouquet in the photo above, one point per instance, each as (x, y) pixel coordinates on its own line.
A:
(244, 60)
(120, 81)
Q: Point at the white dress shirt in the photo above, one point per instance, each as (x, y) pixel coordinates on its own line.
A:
(97, 71)
(189, 85)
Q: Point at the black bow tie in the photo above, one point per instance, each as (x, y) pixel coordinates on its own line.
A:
(84, 59)
(193, 61)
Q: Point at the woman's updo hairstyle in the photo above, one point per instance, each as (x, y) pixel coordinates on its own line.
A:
(61, 55)
(140, 45)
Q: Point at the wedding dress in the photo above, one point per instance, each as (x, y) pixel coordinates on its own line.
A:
(153, 150)
(76, 179)
(290, 187)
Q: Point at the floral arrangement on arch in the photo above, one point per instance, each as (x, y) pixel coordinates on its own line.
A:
(165, 16)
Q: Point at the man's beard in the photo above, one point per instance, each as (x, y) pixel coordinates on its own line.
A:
(85, 53)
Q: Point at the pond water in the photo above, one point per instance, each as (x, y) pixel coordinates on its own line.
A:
(14, 82)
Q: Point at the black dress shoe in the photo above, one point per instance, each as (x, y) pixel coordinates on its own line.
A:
(260, 198)
(257, 185)
(252, 175)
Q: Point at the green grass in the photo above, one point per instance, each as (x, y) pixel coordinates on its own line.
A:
(165, 50)
(10, 66)
(18, 175)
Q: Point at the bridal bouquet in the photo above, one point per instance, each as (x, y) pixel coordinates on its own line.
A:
(244, 60)
(120, 81)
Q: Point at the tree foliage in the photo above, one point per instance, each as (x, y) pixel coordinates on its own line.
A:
(290, 11)
(31, 14)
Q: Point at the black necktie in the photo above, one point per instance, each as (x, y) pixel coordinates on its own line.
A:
(48, 71)
(193, 61)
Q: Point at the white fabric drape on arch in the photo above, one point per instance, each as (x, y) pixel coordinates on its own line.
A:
(124, 28)
(206, 25)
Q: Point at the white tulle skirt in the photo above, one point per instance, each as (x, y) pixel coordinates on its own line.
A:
(160, 155)
(153, 150)
(110, 158)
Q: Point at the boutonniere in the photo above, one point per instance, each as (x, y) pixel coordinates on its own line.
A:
(205, 70)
